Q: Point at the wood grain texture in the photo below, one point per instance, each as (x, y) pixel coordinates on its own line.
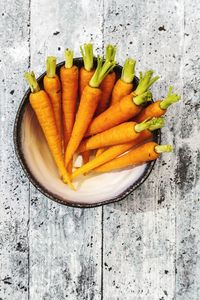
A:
(140, 254)
(14, 187)
(65, 243)
(147, 246)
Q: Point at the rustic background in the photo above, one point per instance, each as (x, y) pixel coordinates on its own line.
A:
(147, 246)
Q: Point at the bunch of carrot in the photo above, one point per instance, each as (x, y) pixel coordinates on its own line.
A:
(85, 109)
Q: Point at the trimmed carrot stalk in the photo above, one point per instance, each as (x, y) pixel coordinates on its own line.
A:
(53, 88)
(120, 134)
(144, 153)
(43, 109)
(69, 79)
(100, 151)
(108, 82)
(124, 85)
(88, 104)
(87, 71)
(158, 108)
(145, 82)
(114, 151)
(125, 109)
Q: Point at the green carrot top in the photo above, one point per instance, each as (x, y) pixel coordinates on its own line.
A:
(143, 98)
(153, 124)
(30, 77)
(163, 148)
(101, 71)
(69, 55)
(145, 82)
(171, 98)
(110, 52)
(51, 66)
(128, 71)
(88, 56)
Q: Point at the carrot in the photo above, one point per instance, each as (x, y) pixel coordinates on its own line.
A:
(158, 108)
(108, 82)
(124, 85)
(43, 109)
(146, 152)
(85, 157)
(87, 71)
(88, 104)
(100, 151)
(128, 107)
(117, 150)
(53, 88)
(119, 134)
(69, 80)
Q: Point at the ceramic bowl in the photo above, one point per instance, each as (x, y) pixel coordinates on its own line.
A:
(37, 163)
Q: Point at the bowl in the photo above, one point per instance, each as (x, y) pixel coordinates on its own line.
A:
(36, 161)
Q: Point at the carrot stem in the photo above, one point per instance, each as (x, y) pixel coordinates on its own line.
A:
(171, 98)
(152, 124)
(34, 86)
(101, 71)
(143, 98)
(128, 71)
(88, 57)
(51, 66)
(163, 148)
(110, 52)
(145, 82)
(69, 54)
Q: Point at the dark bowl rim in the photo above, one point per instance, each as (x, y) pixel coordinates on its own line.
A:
(19, 153)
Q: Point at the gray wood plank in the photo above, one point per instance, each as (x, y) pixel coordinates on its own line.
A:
(14, 187)
(140, 232)
(65, 243)
(188, 163)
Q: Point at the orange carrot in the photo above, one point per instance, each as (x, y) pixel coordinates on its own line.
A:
(53, 88)
(158, 108)
(119, 134)
(100, 151)
(117, 150)
(43, 109)
(87, 71)
(144, 153)
(128, 107)
(124, 85)
(88, 104)
(85, 157)
(69, 80)
(108, 82)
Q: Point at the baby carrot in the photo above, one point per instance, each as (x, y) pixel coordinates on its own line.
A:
(124, 85)
(144, 153)
(128, 107)
(100, 151)
(87, 71)
(119, 134)
(43, 109)
(114, 151)
(108, 82)
(158, 108)
(88, 104)
(53, 88)
(69, 80)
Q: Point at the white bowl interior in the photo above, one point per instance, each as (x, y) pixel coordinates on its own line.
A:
(90, 189)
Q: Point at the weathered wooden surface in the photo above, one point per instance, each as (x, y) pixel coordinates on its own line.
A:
(147, 246)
